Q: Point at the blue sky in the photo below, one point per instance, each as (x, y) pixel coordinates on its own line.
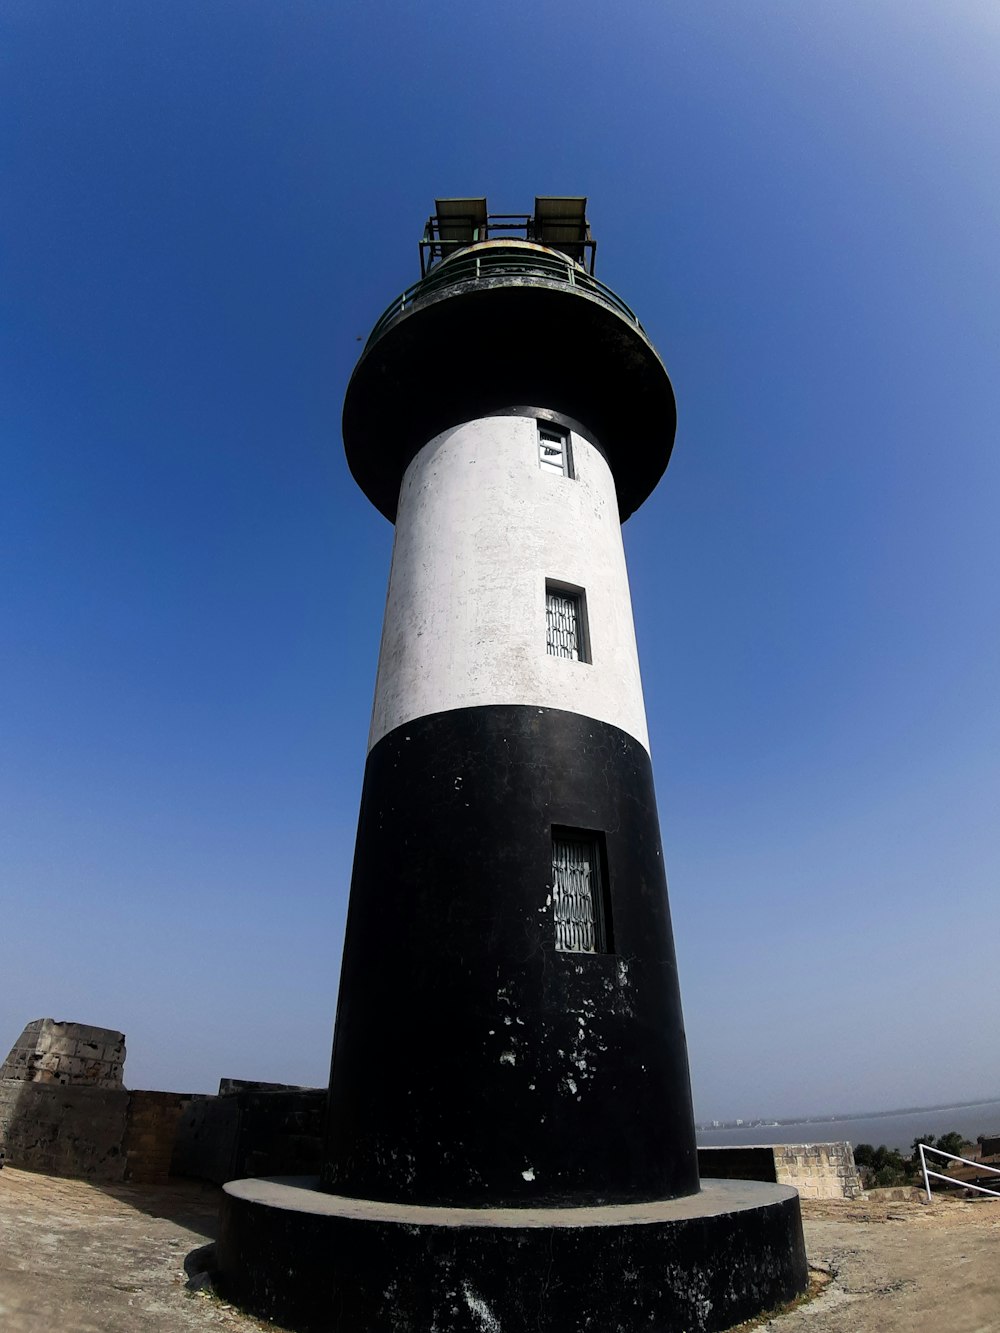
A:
(207, 205)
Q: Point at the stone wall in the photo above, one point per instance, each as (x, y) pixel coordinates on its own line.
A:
(817, 1170)
(65, 1111)
(63, 1131)
(150, 1134)
(99, 1134)
(66, 1054)
(251, 1130)
(281, 1133)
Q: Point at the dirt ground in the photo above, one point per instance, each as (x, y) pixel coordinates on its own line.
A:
(75, 1258)
(902, 1268)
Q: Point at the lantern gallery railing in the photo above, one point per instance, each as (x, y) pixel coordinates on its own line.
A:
(559, 221)
(514, 263)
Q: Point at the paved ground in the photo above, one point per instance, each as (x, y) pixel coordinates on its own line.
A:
(78, 1259)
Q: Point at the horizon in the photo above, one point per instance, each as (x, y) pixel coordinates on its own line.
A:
(820, 1118)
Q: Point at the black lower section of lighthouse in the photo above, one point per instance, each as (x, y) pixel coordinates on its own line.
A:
(510, 1142)
(474, 1063)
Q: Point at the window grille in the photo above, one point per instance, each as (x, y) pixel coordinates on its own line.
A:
(565, 631)
(553, 451)
(576, 894)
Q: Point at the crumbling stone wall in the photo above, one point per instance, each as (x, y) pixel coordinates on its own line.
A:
(67, 1054)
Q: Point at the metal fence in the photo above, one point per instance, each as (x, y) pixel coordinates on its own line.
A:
(923, 1149)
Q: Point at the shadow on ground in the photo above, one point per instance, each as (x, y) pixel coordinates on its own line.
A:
(193, 1204)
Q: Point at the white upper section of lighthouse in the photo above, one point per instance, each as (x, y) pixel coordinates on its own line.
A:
(481, 530)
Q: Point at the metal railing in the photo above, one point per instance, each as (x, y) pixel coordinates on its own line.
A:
(443, 236)
(497, 264)
(963, 1184)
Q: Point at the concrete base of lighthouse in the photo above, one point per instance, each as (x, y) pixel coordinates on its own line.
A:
(321, 1263)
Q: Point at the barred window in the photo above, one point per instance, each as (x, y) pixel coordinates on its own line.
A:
(578, 904)
(566, 623)
(553, 450)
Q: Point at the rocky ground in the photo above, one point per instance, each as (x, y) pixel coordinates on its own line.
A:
(79, 1259)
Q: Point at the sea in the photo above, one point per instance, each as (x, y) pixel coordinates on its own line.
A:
(896, 1129)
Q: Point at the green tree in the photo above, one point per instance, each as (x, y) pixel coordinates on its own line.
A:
(890, 1175)
(881, 1166)
(928, 1140)
(953, 1142)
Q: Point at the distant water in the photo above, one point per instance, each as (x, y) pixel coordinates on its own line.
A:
(894, 1129)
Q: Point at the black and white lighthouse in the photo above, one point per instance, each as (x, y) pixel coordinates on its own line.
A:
(510, 1140)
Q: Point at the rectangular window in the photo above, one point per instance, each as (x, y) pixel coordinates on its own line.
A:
(579, 906)
(566, 622)
(554, 451)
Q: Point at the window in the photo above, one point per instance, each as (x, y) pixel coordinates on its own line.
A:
(579, 906)
(566, 622)
(554, 451)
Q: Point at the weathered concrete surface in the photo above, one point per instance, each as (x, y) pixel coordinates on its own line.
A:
(84, 1260)
(80, 1259)
(901, 1268)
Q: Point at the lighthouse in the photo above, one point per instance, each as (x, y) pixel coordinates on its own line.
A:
(510, 1135)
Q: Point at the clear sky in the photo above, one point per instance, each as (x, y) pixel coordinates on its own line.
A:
(206, 205)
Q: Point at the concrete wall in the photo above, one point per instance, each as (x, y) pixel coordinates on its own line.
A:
(816, 1170)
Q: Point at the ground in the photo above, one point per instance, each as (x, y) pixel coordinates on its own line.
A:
(82, 1259)
(904, 1267)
